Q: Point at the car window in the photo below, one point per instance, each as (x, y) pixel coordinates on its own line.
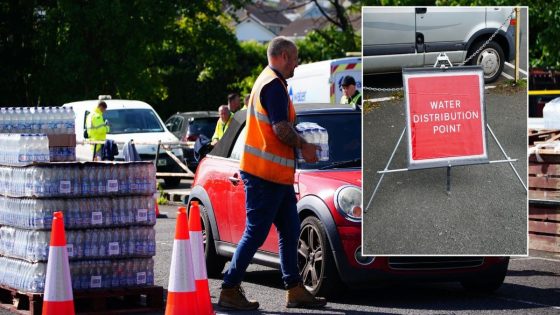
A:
(137, 120)
(345, 137)
(174, 124)
(203, 125)
(239, 145)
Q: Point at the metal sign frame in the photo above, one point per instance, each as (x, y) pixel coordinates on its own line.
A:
(409, 73)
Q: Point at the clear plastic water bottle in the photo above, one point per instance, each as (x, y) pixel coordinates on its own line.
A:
(324, 140)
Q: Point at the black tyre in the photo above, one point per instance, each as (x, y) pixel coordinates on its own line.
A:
(172, 182)
(214, 262)
(487, 283)
(491, 58)
(315, 260)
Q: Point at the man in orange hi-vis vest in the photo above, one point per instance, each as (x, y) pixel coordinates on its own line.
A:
(267, 169)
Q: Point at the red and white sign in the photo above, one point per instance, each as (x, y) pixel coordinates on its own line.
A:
(445, 117)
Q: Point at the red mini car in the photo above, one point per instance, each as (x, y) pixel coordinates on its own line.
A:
(330, 210)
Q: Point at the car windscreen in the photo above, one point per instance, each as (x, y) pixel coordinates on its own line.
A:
(203, 126)
(137, 120)
(345, 139)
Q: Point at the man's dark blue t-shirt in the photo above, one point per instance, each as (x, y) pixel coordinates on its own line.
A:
(275, 99)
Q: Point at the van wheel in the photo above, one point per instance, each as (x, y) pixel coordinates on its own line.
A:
(491, 58)
(214, 263)
(315, 260)
(172, 182)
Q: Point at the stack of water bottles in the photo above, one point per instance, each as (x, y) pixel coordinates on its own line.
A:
(109, 214)
(30, 127)
(47, 120)
(313, 133)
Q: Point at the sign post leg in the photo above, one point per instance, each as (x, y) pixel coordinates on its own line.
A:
(385, 170)
(506, 156)
(449, 180)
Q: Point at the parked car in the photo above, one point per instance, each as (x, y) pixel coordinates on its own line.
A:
(188, 127)
(130, 120)
(398, 37)
(329, 205)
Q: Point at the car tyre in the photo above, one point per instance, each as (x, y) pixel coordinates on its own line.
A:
(172, 182)
(487, 283)
(315, 260)
(491, 58)
(214, 262)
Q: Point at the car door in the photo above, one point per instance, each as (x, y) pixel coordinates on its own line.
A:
(237, 211)
(389, 39)
(447, 29)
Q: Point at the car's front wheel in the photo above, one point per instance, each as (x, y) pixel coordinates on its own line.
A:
(491, 58)
(214, 262)
(315, 260)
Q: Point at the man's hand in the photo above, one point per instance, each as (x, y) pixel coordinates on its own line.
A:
(309, 152)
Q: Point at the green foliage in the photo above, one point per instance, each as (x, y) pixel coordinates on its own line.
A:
(327, 44)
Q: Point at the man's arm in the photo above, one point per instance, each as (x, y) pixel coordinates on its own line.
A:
(286, 133)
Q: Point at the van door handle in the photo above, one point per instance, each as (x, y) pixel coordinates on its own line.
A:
(421, 10)
(234, 179)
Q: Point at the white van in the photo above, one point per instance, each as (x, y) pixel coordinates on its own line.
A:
(129, 120)
(321, 82)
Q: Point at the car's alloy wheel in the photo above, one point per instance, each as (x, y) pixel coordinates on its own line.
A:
(214, 262)
(491, 58)
(315, 261)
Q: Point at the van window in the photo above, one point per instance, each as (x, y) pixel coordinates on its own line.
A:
(132, 121)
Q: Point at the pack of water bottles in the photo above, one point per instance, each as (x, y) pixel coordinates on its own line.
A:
(62, 154)
(24, 148)
(313, 133)
(90, 274)
(78, 179)
(30, 213)
(47, 120)
(33, 245)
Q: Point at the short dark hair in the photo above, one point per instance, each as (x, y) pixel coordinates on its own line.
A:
(232, 96)
(102, 104)
(278, 45)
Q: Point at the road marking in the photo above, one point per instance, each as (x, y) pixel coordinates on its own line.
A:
(507, 76)
(381, 99)
(528, 302)
(513, 67)
(539, 258)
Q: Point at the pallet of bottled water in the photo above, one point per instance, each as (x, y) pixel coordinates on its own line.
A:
(33, 245)
(79, 213)
(46, 120)
(78, 179)
(313, 133)
(88, 274)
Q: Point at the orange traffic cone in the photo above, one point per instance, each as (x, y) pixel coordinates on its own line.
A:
(58, 298)
(181, 293)
(197, 245)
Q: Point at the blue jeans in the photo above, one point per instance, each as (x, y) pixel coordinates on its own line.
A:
(267, 203)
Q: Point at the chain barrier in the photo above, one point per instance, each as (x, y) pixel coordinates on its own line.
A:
(366, 88)
(372, 89)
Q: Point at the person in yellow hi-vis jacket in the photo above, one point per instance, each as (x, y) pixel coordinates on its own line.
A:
(222, 124)
(97, 127)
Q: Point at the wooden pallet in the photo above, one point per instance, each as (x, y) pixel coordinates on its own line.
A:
(102, 301)
(544, 225)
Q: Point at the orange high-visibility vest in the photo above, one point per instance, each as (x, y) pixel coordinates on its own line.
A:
(264, 155)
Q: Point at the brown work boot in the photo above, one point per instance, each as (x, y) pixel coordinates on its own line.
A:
(234, 298)
(298, 296)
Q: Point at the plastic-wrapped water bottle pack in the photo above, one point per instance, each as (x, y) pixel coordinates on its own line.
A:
(51, 120)
(28, 213)
(88, 274)
(313, 133)
(78, 179)
(33, 245)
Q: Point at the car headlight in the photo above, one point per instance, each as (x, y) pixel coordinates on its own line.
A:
(348, 201)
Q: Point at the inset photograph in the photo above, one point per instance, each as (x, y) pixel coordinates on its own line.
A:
(444, 131)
